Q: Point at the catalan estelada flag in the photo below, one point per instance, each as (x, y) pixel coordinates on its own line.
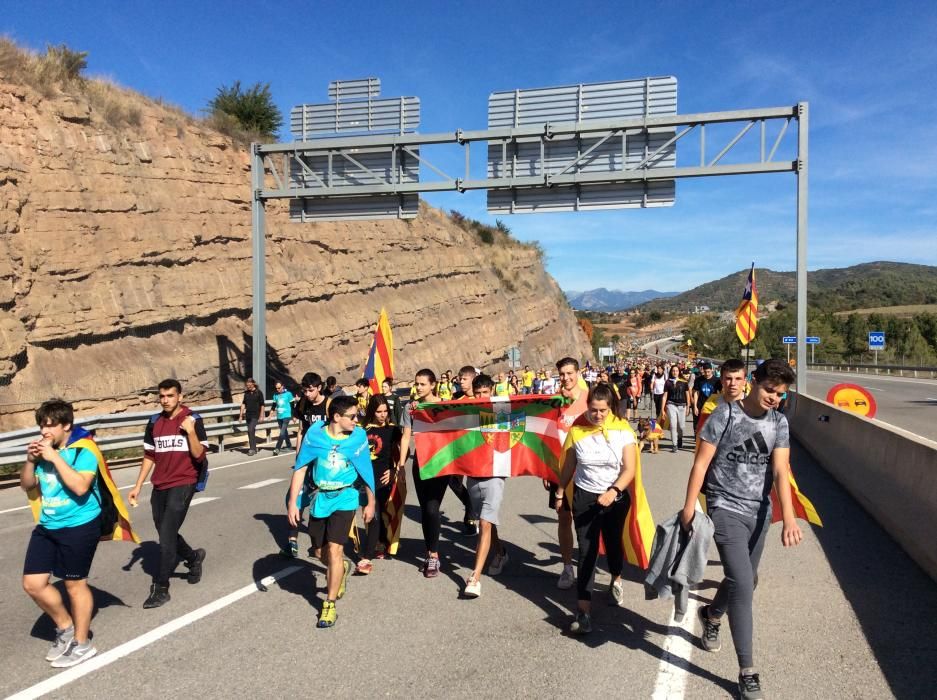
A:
(81, 439)
(803, 508)
(638, 534)
(746, 315)
(393, 513)
(380, 364)
(497, 436)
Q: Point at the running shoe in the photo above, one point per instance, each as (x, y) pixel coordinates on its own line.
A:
(62, 639)
(498, 564)
(617, 592)
(431, 567)
(749, 687)
(567, 579)
(328, 615)
(473, 588)
(195, 566)
(75, 654)
(346, 569)
(363, 568)
(581, 624)
(709, 639)
(276, 452)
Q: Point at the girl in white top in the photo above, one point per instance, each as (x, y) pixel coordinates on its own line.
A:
(600, 456)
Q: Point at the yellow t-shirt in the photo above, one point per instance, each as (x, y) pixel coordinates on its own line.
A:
(528, 379)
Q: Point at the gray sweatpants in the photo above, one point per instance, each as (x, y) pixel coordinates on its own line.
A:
(740, 540)
(676, 414)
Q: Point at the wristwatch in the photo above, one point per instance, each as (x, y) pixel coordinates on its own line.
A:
(615, 489)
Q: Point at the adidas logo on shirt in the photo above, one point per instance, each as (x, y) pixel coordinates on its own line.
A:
(752, 451)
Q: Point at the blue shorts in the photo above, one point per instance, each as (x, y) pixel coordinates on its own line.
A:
(65, 552)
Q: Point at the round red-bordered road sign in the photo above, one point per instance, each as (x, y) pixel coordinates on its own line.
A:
(853, 397)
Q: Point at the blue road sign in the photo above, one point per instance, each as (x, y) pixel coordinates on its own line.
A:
(876, 340)
(789, 340)
(812, 340)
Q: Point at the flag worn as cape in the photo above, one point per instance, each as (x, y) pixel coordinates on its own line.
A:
(380, 363)
(803, 508)
(638, 534)
(746, 315)
(497, 436)
(123, 531)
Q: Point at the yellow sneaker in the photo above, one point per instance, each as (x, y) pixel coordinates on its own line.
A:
(327, 616)
(346, 568)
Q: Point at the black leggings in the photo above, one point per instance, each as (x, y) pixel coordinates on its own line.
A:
(591, 519)
(429, 493)
(377, 531)
(658, 403)
(456, 483)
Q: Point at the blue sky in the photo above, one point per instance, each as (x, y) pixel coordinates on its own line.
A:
(865, 68)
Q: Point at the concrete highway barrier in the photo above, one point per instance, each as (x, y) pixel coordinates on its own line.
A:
(892, 473)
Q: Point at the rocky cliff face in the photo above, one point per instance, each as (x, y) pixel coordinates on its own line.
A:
(125, 258)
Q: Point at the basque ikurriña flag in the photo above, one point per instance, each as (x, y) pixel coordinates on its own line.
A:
(746, 315)
(380, 364)
(500, 436)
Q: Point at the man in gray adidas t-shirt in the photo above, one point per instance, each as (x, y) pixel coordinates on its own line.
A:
(744, 450)
(740, 475)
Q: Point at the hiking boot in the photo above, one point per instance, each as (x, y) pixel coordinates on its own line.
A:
(497, 565)
(473, 588)
(328, 615)
(749, 687)
(709, 638)
(159, 595)
(195, 566)
(617, 591)
(346, 569)
(431, 567)
(76, 653)
(567, 579)
(581, 624)
(62, 639)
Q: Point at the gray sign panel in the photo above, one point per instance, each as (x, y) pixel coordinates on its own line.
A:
(369, 116)
(362, 88)
(582, 103)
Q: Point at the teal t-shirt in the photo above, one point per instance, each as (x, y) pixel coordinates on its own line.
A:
(334, 465)
(59, 506)
(284, 403)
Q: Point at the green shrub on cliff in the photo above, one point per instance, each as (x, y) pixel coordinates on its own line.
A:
(245, 113)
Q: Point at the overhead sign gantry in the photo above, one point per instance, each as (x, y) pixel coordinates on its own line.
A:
(583, 147)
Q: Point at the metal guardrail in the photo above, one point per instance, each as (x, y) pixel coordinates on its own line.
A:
(220, 422)
(888, 370)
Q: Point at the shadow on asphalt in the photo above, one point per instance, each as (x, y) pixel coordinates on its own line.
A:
(893, 599)
(303, 583)
(147, 553)
(44, 628)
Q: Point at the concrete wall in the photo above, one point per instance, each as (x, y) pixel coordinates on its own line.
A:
(892, 473)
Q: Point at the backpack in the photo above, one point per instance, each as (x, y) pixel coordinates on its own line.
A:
(201, 479)
(106, 500)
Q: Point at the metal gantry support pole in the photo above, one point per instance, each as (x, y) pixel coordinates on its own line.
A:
(258, 269)
(802, 133)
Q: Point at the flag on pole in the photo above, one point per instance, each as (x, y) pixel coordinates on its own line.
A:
(500, 436)
(122, 532)
(380, 364)
(746, 315)
(638, 534)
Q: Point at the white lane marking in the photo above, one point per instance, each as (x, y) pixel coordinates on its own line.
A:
(859, 377)
(261, 484)
(147, 483)
(118, 652)
(203, 499)
(675, 658)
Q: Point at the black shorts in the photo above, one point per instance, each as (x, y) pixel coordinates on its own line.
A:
(551, 501)
(66, 552)
(334, 528)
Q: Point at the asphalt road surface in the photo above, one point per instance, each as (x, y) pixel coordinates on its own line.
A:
(844, 615)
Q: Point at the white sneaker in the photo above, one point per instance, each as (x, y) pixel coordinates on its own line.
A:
(473, 588)
(618, 593)
(567, 578)
(498, 564)
(75, 654)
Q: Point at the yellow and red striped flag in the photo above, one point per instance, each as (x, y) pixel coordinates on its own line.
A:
(380, 364)
(393, 513)
(746, 315)
(803, 508)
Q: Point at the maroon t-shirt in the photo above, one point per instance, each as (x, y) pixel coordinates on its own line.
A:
(166, 443)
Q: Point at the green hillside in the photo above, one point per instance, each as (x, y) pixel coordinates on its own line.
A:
(838, 289)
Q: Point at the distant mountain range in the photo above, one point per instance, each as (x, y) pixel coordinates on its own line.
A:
(603, 299)
(867, 285)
